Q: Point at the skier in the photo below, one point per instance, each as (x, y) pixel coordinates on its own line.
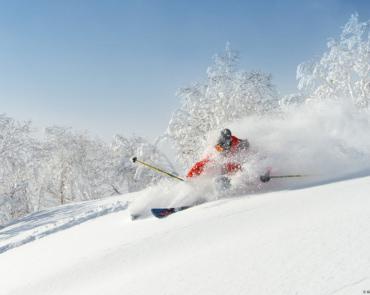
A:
(226, 161)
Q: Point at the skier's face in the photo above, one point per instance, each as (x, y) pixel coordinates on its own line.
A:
(224, 144)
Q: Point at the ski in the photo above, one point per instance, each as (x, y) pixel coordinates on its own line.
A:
(164, 212)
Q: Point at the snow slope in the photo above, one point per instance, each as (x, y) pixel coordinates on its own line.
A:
(314, 240)
(43, 223)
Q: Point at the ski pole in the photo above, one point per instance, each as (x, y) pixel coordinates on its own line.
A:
(287, 176)
(266, 177)
(135, 159)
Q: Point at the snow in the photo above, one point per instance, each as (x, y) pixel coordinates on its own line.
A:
(310, 240)
(305, 236)
(43, 223)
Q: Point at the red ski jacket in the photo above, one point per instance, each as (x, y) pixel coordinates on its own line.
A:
(228, 168)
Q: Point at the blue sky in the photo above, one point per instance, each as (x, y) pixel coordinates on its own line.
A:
(114, 66)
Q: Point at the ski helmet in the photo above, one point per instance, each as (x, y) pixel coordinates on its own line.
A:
(224, 141)
(226, 133)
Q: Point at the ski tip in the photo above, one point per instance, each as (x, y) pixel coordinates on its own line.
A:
(164, 212)
(161, 212)
(134, 159)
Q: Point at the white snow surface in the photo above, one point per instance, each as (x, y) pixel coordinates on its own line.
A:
(310, 240)
(43, 223)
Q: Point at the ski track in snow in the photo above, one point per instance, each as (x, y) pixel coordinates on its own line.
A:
(49, 221)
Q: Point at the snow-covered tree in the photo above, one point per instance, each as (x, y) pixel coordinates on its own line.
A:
(65, 166)
(227, 94)
(17, 153)
(132, 177)
(75, 169)
(343, 72)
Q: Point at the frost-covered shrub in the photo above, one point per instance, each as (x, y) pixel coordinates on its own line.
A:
(344, 70)
(227, 94)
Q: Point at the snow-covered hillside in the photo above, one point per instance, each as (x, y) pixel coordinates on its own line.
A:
(313, 240)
